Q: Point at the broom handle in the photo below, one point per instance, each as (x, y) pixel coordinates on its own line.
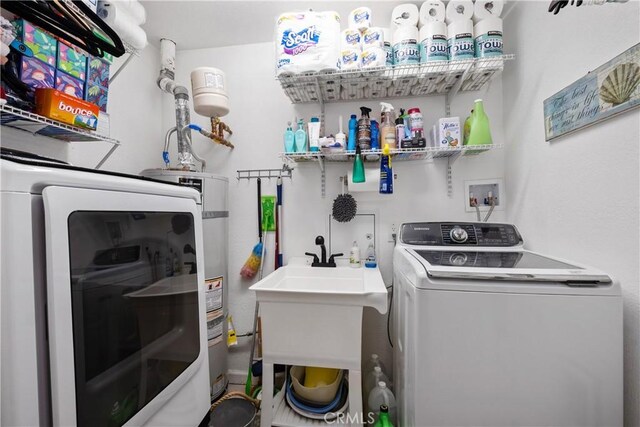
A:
(260, 209)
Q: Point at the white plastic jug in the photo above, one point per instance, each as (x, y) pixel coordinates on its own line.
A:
(381, 395)
(373, 378)
(374, 361)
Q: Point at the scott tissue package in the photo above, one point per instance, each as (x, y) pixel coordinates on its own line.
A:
(307, 42)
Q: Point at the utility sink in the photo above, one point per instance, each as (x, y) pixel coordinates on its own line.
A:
(342, 285)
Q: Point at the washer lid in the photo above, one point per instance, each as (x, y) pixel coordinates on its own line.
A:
(520, 265)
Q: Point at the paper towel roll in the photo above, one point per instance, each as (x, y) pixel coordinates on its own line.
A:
(307, 42)
(350, 59)
(430, 11)
(360, 18)
(122, 23)
(371, 181)
(405, 45)
(135, 9)
(350, 39)
(483, 9)
(405, 14)
(459, 10)
(433, 42)
(460, 42)
(373, 37)
(373, 57)
(388, 46)
(488, 37)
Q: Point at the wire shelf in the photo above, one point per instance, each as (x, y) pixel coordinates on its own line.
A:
(42, 126)
(436, 78)
(398, 154)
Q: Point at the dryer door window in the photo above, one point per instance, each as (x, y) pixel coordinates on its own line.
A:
(134, 299)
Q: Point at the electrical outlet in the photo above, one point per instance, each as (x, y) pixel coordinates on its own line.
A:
(484, 192)
(361, 229)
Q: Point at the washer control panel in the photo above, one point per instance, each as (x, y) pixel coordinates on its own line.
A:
(459, 234)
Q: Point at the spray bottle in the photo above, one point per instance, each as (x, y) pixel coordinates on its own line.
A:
(353, 129)
(364, 129)
(386, 171)
(387, 126)
(375, 135)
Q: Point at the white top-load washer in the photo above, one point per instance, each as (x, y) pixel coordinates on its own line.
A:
(487, 333)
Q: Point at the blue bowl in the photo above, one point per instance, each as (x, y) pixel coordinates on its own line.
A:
(335, 404)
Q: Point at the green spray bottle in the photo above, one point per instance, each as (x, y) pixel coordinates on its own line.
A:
(358, 166)
(480, 132)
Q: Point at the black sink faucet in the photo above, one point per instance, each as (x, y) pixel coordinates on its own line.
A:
(320, 242)
(322, 263)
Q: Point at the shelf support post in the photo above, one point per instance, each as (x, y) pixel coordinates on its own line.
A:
(450, 161)
(323, 178)
(455, 89)
(106, 156)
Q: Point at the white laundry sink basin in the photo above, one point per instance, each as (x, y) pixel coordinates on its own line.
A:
(342, 285)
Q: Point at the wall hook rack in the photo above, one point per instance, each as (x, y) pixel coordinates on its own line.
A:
(285, 172)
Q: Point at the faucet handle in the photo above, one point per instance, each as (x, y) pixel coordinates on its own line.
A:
(316, 260)
(331, 258)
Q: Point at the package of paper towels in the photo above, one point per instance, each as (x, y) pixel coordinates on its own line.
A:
(307, 42)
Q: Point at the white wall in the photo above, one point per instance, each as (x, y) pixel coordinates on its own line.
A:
(258, 117)
(576, 197)
(135, 115)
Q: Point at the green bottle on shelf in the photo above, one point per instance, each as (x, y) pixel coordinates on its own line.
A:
(358, 166)
(383, 418)
(479, 132)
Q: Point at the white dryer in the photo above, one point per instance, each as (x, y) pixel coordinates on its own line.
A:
(487, 333)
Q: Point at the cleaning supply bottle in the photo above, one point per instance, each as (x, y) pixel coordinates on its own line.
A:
(375, 135)
(386, 172)
(340, 136)
(314, 134)
(370, 260)
(374, 361)
(353, 132)
(467, 129)
(364, 129)
(383, 418)
(373, 378)
(289, 140)
(480, 132)
(399, 130)
(358, 166)
(379, 396)
(354, 256)
(387, 126)
(301, 138)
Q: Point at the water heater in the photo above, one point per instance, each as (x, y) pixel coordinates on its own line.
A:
(215, 227)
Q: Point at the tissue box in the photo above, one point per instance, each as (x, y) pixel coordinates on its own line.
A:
(98, 72)
(36, 73)
(72, 61)
(448, 131)
(66, 108)
(69, 85)
(43, 45)
(96, 95)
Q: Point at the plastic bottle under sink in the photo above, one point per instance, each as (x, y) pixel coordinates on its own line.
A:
(373, 378)
(381, 395)
(373, 361)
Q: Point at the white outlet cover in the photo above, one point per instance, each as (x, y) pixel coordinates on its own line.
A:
(481, 182)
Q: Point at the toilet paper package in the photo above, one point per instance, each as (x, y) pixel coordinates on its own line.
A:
(373, 57)
(459, 10)
(431, 11)
(373, 37)
(433, 42)
(483, 9)
(405, 45)
(360, 18)
(488, 37)
(388, 47)
(350, 59)
(460, 42)
(307, 42)
(350, 39)
(405, 14)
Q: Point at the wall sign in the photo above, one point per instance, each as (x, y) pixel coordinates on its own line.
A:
(609, 90)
